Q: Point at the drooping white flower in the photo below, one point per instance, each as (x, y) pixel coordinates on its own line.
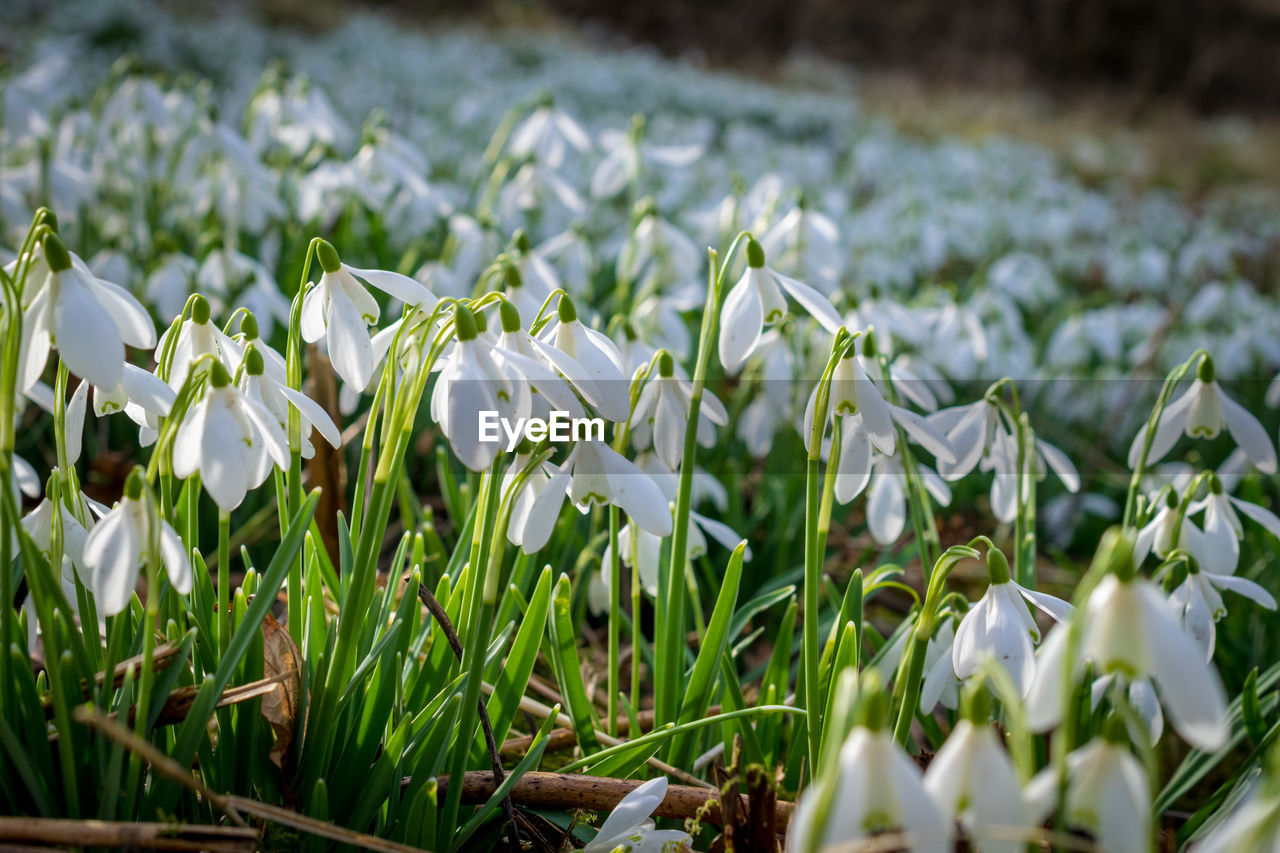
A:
(878, 789)
(662, 413)
(940, 684)
(259, 385)
(230, 439)
(600, 381)
(1202, 411)
(629, 829)
(757, 301)
(1107, 795)
(472, 383)
(595, 473)
(806, 243)
(1001, 626)
(1199, 605)
(972, 780)
(547, 134)
(341, 310)
(88, 319)
(1222, 528)
(627, 153)
(116, 547)
(39, 526)
(1130, 629)
(1253, 826)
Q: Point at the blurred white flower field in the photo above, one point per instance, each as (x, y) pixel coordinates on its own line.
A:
(923, 479)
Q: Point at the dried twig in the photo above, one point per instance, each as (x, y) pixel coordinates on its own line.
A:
(136, 836)
(581, 791)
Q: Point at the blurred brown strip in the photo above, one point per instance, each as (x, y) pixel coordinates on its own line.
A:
(137, 836)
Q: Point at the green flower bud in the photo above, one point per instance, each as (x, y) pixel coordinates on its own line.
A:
(666, 365)
(869, 348)
(511, 276)
(997, 566)
(873, 703)
(219, 375)
(510, 316)
(1215, 485)
(1205, 371)
(482, 322)
(755, 254)
(47, 218)
(521, 240)
(253, 363)
(55, 252)
(1115, 554)
(200, 310)
(328, 256)
(1113, 729)
(566, 311)
(464, 321)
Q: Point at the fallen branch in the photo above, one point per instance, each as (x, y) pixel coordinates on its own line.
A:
(580, 791)
(145, 836)
(160, 658)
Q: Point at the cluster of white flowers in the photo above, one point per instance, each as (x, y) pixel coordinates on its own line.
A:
(187, 203)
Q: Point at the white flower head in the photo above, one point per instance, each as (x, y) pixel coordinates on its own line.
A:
(340, 310)
(1202, 411)
(629, 829)
(1001, 626)
(230, 439)
(118, 544)
(662, 414)
(757, 301)
(972, 780)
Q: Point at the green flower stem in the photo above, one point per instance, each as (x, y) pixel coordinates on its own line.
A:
(294, 495)
(813, 554)
(478, 630)
(924, 628)
(670, 645)
(224, 580)
(1153, 422)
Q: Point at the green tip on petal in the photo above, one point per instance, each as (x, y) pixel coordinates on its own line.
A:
(219, 375)
(1115, 554)
(464, 321)
(253, 363)
(755, 254)
(200, 310)
(510, 316)
(566, 311)
(328, 256)
(997, 566)
(1205, 372)
(47, 218)
(55, 252)
(521, 240)
(249, 326)
(666, 364)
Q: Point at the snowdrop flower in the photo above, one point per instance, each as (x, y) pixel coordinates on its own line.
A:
(756, 301)
(230, 439)
(595, 473)
(522, 503)
(39, 526)
(626, 154)
(637, 548)
(807, 243)
(117, 546)
(1203, 411)
(471, 382)
(1107, 793)
(662, 413)
(972, 780)
(1222, 527)
(878, 789)
(628, 828)
(277, 398)
(940, 683)
(340, 310)
(547, 134)
(1001, 626)
(1199, 605)
(1140, 696)
(600, 378)
(169, 284)
(88, 319)
(225, 272)
(532, 189)
(1131, 630)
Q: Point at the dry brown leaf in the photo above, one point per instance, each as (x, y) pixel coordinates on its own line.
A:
(282, 662)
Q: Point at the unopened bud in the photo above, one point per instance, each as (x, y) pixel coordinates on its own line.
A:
(328, 256)
(200, 310)
(55, 252)
(510, 316)
(133, 484)
(755, 254)
(666, 364)
(464, 321)
(566, 311)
